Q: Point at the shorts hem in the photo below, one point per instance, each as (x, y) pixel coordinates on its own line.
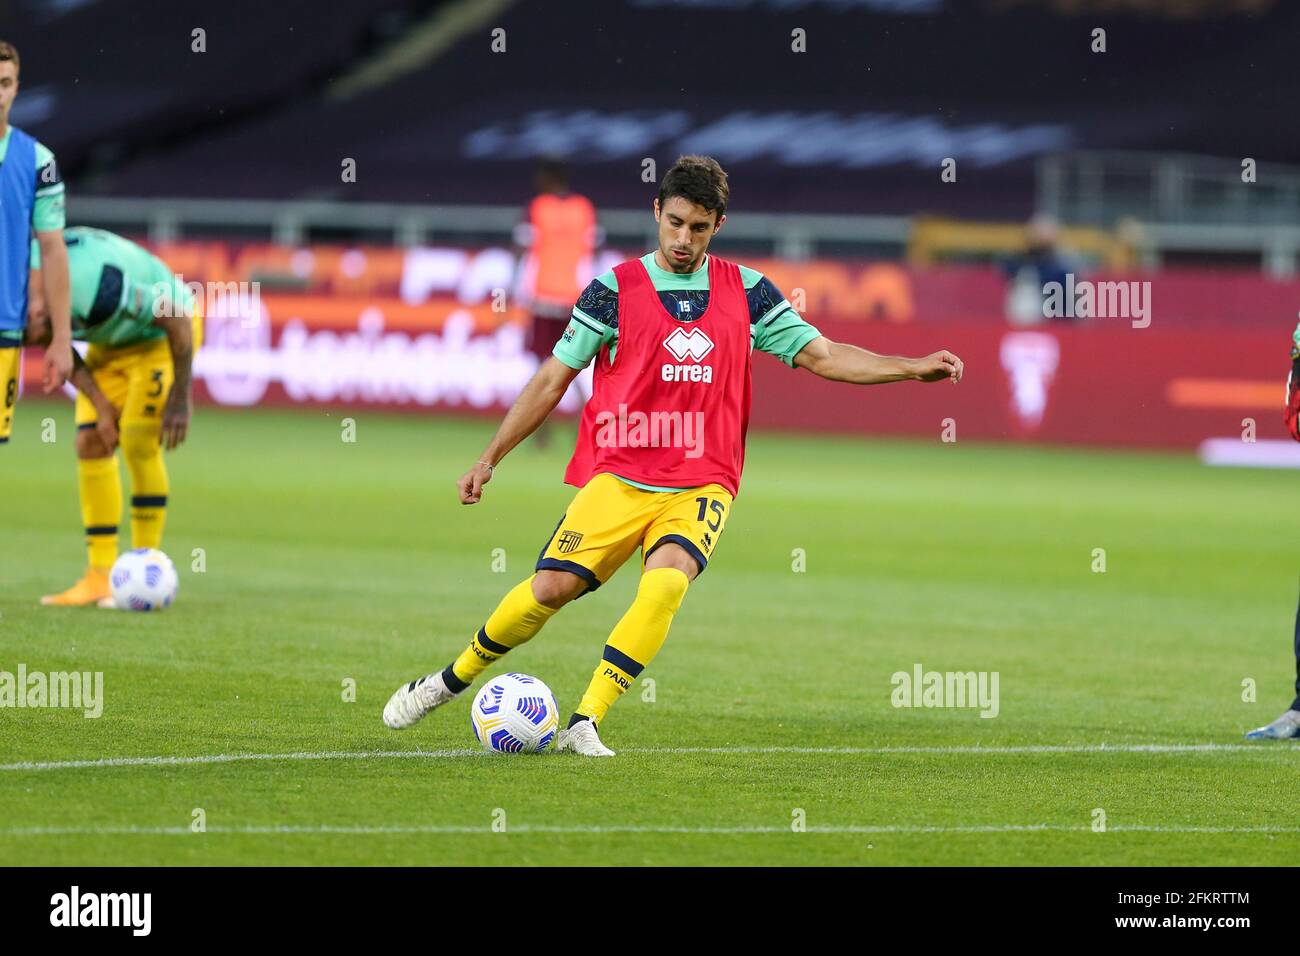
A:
(573, 567)
(691, 548)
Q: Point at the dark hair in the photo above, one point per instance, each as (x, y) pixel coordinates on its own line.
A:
(697, 179)
(7, 52)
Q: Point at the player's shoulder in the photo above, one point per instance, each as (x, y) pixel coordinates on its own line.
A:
(599, 300)
(108, 247)
(84, 238)
(608, 281)
(44, 154)
(48, 179)
(18, 134)
(748, 277)
(765, 300)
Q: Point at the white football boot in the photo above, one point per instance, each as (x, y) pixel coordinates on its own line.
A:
(581, 738)
(412, 701)
(1285, 727)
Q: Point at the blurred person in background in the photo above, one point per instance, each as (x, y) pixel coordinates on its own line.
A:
(1288, 725)
(1041, 263)
(557, 239)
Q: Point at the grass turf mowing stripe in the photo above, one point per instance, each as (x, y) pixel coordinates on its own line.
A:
(165, 761)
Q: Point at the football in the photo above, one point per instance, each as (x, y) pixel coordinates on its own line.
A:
(515, 714)
(143, 580)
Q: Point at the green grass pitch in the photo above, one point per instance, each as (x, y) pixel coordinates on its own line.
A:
(329, 561)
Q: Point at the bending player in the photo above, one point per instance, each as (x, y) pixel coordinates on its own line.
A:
(1288, 725)
(143, 327)
(671, 334)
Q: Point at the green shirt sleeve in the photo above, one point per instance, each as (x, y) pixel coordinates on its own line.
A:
(586, 334)
(779, 330)
(581, 342)
(784, 335)
(47, 212)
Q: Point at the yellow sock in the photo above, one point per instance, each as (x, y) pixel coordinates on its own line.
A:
(144, 459)
(517, 618)
(635, 640)
(100, 486)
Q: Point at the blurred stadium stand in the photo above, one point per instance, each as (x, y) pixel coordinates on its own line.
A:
(413, 91)
(114, 85)
(855, 127)
(378, 291)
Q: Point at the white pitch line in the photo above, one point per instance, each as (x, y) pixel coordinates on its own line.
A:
(236, 758)
(399, 829)
(974, 749)
(165, 761)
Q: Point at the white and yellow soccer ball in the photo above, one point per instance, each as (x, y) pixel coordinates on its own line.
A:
(143, 580)
(515, 714)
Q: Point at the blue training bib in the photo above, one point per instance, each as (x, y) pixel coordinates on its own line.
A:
(17, 199)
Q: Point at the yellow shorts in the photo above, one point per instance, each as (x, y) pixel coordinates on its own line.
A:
(137, 379)
(11, 364)
(608, 519)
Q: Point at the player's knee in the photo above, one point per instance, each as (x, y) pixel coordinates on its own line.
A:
(670, 554)
(90, 445)
(665, 586)
(557, 588)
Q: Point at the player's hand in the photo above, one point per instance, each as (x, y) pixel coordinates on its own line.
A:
(471, 483)
(938, 366)
(176, 420)
(58, 365)
(106, 425)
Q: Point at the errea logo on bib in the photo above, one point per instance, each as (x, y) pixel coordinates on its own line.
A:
(683, 345)
(693, 344)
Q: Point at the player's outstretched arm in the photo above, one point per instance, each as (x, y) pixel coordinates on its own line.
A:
(841, 362)
(176, 413)
(538, 399)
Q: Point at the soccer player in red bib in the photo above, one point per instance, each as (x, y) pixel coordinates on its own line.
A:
(661, 442)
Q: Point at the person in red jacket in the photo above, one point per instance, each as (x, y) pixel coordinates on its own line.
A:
(661, 443)
(558, 238)
(1288, 725)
